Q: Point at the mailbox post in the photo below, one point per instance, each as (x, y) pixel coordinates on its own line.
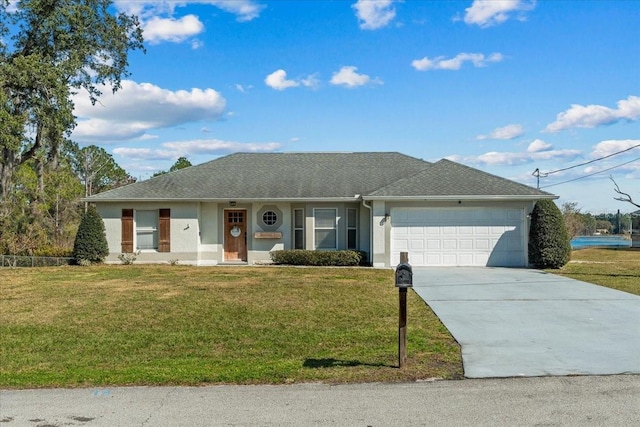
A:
(404, 281)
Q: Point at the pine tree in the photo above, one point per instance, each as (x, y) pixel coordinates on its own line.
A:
(91, 242)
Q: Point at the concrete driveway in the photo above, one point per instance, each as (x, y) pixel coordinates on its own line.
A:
(519, 322)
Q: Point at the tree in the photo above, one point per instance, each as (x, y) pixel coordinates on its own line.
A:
(572, 219)
(57, 48)
(96, 169)
(624, 196)
(604, 225)
(549, 242)
(181, 163)
(91, 242)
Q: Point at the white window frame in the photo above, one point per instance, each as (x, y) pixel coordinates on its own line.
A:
(334, 228)
(301, 228)
(353, 227)
(155, 231)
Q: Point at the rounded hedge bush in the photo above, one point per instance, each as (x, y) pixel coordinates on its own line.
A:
(90, 244)
(341, 258)
(549, 241)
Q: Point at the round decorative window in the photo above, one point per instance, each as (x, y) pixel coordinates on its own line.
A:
(269, 218)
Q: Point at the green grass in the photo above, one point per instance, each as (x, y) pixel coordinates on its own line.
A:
(161, 325)
(613, 268)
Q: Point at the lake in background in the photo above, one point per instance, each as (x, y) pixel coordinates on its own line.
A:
(582, 242)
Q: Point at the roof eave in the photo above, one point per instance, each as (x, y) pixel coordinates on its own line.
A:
(462, 197)
(225, 200)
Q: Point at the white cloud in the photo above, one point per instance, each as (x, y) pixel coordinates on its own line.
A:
(160, 25)
(506, 132)
(157, 29)
(144, 154)
(374, 14)
(591, 116)
(487, 13)
(245, 10)
(12, 6)
(196, 44)
(537, 150)
(216, 146)
(311, 81)
(278, 80)
(455, 63)
(173, 150)
(538, 146)
(139, 107)
(243, 89)
(347, 76)
(495, 158)
(606, 148)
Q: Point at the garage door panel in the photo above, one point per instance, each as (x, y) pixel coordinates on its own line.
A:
(417, 244)
(459, 236)
(465, 244)
(433, 244)
(483, 244)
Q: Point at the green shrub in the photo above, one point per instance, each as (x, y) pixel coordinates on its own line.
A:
(549, 242)
(318, 258)
(53, 251)
(91, 242)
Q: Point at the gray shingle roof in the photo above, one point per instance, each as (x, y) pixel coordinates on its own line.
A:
(447, 178)
(291, 176)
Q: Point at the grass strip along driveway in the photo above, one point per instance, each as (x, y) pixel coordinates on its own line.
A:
(614, 268)
(151, 324)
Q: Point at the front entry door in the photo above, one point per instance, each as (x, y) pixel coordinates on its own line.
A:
(235, 235)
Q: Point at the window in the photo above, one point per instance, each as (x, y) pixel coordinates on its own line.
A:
(152, 230)
(269, 217)
(146, 230)
(352, 229)
(298, 229)
(325, 231)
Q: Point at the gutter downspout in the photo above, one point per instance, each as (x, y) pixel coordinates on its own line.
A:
(370, 229)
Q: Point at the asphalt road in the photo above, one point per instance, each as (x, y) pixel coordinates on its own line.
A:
(541, 401)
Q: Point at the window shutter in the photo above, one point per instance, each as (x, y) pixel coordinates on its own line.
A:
(164, 228)
(127, 230)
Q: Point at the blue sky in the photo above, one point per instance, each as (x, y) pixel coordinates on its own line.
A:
(505, 86)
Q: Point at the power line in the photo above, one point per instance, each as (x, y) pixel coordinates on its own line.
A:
(539, 174)
(545, 174)
(592, 174)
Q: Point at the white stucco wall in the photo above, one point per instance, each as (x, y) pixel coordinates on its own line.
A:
(184, 231)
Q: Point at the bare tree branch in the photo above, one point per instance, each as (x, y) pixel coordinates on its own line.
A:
(626, 197)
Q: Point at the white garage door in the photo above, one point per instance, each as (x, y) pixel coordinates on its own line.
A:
(459, 236)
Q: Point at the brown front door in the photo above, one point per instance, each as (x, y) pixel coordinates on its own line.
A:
(235, 235)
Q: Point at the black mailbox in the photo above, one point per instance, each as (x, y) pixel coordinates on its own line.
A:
(404, 276)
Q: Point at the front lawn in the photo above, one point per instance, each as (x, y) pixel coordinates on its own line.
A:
(613, 268)
(142, 324)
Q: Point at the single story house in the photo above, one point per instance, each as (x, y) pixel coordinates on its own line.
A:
(238, 208)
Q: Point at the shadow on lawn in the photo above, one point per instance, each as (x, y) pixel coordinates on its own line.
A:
(331, 363)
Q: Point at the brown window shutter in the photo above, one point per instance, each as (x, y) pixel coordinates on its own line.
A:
(164, 228)
(127, 230)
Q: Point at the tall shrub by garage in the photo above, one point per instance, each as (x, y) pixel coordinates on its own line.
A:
(549, 242)
(90, 245)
